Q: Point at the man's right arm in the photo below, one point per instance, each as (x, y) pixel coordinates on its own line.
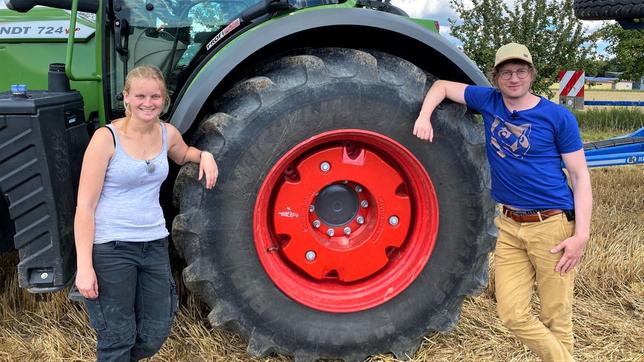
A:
(440, 90)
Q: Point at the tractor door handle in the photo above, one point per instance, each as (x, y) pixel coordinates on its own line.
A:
(121, 35)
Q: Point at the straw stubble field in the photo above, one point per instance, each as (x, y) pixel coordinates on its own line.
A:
(608, 311)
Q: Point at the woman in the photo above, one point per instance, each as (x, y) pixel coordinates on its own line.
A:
(123, 269)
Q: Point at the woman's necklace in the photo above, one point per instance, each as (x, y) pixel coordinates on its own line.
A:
(149, 165)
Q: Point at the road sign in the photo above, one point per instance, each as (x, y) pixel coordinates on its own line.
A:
(571, 89)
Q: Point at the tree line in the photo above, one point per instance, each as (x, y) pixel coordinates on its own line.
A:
(556, 39)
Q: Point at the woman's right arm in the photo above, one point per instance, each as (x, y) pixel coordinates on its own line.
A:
(97, 156)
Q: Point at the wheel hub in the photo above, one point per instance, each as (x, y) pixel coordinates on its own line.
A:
(336, 205)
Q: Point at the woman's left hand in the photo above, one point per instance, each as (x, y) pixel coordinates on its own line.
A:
(208, 167)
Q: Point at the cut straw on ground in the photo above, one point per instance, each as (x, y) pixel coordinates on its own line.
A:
(608, 310)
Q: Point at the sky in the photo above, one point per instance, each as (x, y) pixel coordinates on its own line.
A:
(440, 10)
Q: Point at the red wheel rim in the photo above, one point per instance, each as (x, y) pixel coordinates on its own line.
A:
(329, 182)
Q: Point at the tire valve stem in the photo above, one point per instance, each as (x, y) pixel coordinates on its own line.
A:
(393, 220)
(330, 232)
(310, 255)
(325, 166)
(316, 223)
(364, 204)
(347, 231)
(360, 220)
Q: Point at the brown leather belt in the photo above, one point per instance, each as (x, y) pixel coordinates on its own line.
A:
(530, 216)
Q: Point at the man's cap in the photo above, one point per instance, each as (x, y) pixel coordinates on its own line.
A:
(512, 51)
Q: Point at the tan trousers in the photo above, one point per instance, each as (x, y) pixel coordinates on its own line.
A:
(522, 258)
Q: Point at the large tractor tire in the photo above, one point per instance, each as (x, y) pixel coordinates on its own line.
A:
(608, 9)
(333, 232)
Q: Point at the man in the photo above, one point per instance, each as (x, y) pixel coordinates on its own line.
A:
(543, 224)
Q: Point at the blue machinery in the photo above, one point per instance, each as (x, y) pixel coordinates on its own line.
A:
(615, 103)
(623, 150)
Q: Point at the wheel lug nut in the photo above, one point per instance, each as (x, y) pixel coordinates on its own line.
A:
(347, 231)
(330, 232)
(325, 166)
(358, 188)
(364, 203)
(310, 255)
(393, 220)
(311, 208)
(316, 223)
(360, 220)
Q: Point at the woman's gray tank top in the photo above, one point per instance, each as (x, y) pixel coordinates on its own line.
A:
(128, 208)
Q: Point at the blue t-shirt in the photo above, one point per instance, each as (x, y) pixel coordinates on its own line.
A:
(524, 150)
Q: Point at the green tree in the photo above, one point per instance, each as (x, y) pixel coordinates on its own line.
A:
(549, 29)
(596, 67)
(626, 47)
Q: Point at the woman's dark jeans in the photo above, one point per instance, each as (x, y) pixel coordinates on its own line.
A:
(136, 300)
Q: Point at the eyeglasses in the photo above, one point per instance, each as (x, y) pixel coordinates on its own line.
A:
(521, 73)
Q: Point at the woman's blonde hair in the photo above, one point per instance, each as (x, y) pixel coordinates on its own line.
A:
(144, 72)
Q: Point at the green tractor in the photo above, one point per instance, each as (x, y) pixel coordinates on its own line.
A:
(332, 231)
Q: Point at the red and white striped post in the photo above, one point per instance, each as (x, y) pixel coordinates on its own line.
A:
(571, 88)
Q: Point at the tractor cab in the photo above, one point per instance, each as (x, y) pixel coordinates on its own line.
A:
(172, 35)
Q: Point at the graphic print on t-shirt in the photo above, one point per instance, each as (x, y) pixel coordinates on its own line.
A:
(508, 138)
